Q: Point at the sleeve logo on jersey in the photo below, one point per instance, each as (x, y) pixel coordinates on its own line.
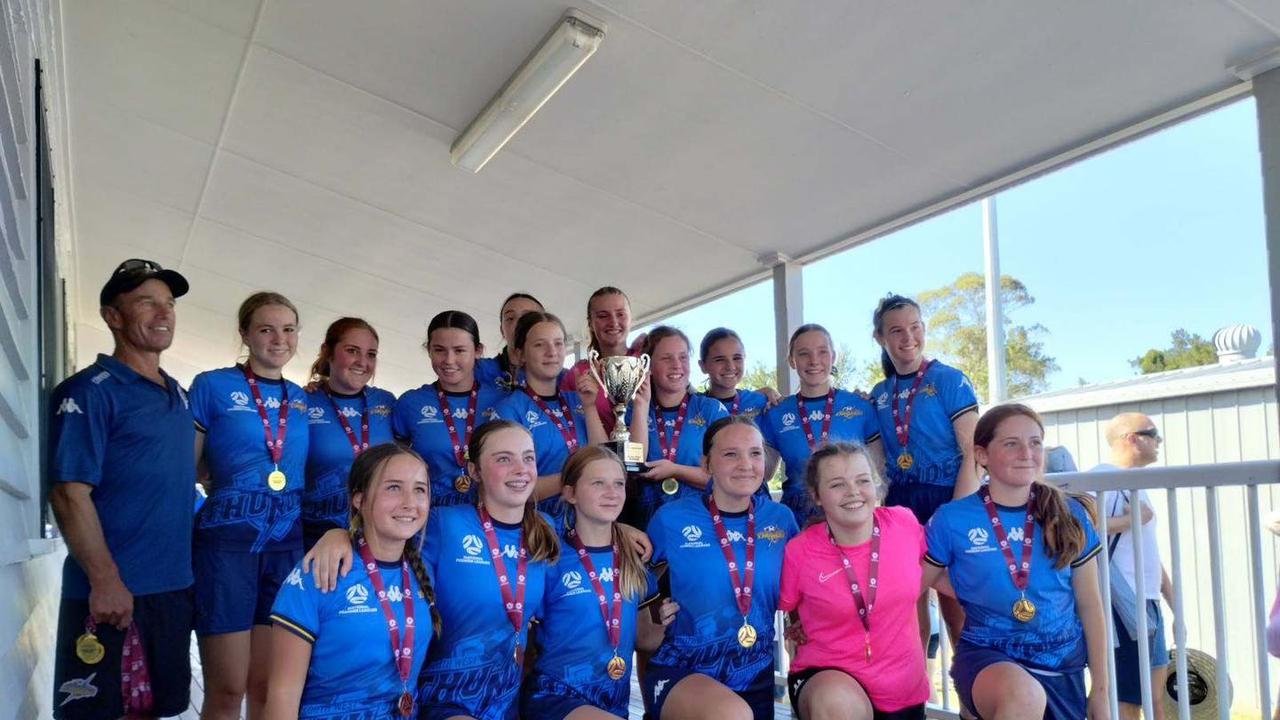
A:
(846, 413)
(68, 407)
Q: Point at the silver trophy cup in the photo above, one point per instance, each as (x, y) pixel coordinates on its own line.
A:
(620, 377)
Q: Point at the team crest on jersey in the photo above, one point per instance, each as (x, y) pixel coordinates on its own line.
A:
(357, 601)
(698, 421)
(847, 412)
(299, 405)
(882, 400)
(316, 413)
(788, 419)
(693, 537)
(533, 419)
(772, 533)
(929, 390)
(980, 539)
(241, 399)
(430, 413)
(571, 580)
(380, 410)
(472, 545)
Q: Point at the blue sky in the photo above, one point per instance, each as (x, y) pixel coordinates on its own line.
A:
(1118, 250)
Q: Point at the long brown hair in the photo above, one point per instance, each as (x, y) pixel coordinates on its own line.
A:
(538, 535)
(332, 337)
(632, 579)
(1064, 537)
(364, 475)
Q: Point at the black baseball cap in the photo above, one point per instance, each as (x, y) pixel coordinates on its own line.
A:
(133, 272)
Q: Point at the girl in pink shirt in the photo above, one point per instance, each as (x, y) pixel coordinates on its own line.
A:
(852, 582)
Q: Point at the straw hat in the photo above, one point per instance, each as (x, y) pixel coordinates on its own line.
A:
(1202, 685)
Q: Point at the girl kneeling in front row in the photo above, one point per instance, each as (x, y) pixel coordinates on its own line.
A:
(1020, 555)
(357, 652)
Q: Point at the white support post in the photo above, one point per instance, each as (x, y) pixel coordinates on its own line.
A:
(995, 308)
(788, 312)
(1266, 92)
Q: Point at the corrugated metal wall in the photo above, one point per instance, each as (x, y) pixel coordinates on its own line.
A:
(1226, 426)
(29, 566)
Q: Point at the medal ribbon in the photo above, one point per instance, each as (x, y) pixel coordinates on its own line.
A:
(741, 585)
(275, 444)
(612, 619)
(513, 601)
(670, 446)
(867, 604)
(401, 649)
(826, 418)
(568, 428)
(135, 678)
(459, 446)
(737, 403)
(902, 419)
(358, 445)
(1019, 571)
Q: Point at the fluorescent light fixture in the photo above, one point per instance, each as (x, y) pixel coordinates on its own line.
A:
(573, 39)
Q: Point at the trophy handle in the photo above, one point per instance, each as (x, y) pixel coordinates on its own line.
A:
(644, 365)
(593, 358)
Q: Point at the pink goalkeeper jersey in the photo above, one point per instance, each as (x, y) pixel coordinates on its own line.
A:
(814, 585)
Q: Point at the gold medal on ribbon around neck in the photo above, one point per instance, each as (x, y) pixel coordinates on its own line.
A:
(405, 705)
(670, 486)
(617, 668)
(905, 460)
(462, 484)
(89, 649)
(747, 635)
(1024, 610)
(276, 480)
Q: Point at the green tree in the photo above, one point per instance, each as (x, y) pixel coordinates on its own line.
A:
(1186, 350)
(956, 316)
(759, 375)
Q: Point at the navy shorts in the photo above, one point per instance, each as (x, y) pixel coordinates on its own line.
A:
(235, 590)
(921, 499)
(658, 680)
(797, 680)
(547, 698)
(1128, 669)
(1064, 694)
(81, 690)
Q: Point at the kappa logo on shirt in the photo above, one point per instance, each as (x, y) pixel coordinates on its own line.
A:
(295, 578)
(734, 536)
(394, 594)
(349, 412)
(69, 407)
(817, 416)
(1016, 535)
(460, 413)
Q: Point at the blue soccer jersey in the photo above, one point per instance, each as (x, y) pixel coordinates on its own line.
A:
(133, 442)
(490, 372)
(419, 419)
(325, 503)
(749, 403)
(574, 646)
(703, 637)
(961, 539)
(548, 443)
(472, 667)
(353, 673)
(242, 512)
(944, 394)
(702, 412)
(853, 420)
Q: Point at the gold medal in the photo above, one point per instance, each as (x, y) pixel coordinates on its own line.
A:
(405, 705)
(746, 635)
(617, 668)
(89, 649)
(462, 484)
(276, 480)
(671, 486)
(1024, 610)
(905, 461)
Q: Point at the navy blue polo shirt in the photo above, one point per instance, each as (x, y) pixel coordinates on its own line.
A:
(134, 442)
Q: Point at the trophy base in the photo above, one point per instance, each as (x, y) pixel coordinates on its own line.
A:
(632, 454)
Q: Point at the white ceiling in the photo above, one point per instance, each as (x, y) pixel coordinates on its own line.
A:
(302, 145)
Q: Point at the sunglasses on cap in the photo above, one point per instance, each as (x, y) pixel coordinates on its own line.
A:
(1152, 433)
(135, 265)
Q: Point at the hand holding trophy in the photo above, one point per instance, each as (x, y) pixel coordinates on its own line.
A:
(620, 377)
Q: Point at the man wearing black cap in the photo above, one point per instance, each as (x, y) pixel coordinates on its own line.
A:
(122, 470)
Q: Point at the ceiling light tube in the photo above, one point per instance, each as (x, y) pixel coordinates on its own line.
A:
(574, 39)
